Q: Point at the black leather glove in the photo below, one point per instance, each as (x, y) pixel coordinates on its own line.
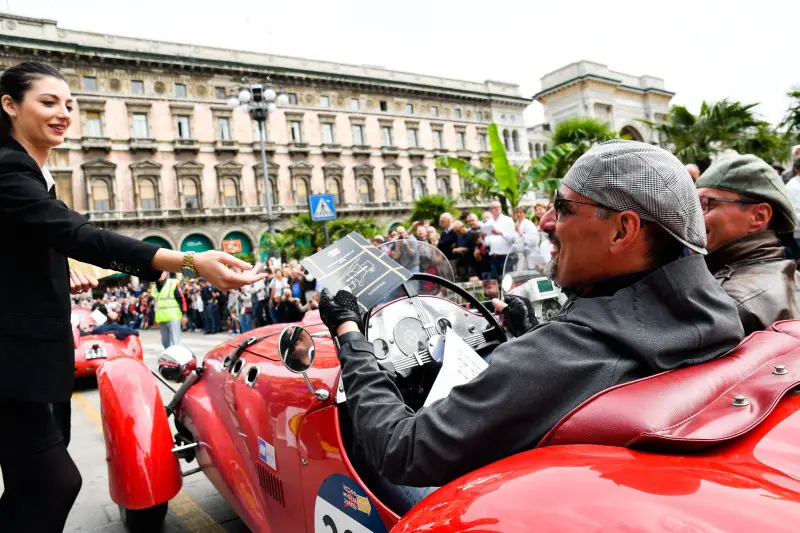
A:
(518, 316)
(341, 308)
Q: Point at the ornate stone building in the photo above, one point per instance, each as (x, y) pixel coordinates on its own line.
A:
(154, 152)
(588, 89)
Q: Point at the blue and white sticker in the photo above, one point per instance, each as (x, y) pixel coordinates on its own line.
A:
(343, 507)
(266, 452)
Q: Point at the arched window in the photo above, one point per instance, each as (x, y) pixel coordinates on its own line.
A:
(418, 188)
(273, 190)
(443, 184)
(333, 187)
(147, 195)
(466, 185)
(515, 141)
(392, 190)
(230, 192)
(530, 150)
(505, 139)
(191, 194)
(538, 151)
(300, 191)
(544, 149)
(101, 195)
(364, 191)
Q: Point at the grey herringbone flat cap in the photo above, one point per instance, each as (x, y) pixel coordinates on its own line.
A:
(645, 179)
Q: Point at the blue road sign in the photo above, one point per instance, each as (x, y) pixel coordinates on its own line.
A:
(322, 207)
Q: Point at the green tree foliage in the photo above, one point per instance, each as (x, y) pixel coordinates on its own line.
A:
(718, 126)
(508, 183)
(582, 131)
(431, 207)
(792, 119)
(303, 236)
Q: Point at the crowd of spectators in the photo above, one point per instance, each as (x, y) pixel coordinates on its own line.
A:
(284, 296)
(475, 249)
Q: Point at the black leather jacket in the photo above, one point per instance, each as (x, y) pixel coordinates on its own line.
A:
(754, 271)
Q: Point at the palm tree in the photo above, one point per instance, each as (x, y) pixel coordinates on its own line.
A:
(504, 181)
(582, 133)
(431, 207)
(719, 126)
(304, 236)
(792, 119)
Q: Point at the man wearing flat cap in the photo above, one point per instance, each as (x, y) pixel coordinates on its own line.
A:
(746, 209)
(625, 212)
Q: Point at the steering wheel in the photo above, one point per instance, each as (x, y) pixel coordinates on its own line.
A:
(423, 355)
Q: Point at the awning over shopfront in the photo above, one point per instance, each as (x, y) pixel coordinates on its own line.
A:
(158, 241)
(196, 243)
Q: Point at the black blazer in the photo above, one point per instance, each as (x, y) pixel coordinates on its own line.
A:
(39, 232)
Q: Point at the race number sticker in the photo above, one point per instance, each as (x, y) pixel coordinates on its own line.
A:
(343, 507)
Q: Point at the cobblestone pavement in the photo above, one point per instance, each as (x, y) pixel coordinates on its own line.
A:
(198, 508)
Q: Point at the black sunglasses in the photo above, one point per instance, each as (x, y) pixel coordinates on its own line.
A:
(559, 204)
(705, 202)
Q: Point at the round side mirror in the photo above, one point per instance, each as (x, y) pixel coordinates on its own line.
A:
(296, 348)
(176, 363)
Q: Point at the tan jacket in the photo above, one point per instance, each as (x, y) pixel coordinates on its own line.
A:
(754, 272)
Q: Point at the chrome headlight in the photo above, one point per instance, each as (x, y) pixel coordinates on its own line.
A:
(176, 363)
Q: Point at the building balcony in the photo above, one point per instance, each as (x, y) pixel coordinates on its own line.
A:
(331, 149)
(440, 151)
(269, 147)
(416, 152)
(226, 147)
(186, 145)
(465, 154)
(175, 214)
(96, 143)
(362, 150)
(392, 151)
(142, 145)
(299, 148)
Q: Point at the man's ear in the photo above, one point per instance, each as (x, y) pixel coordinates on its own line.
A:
(762, 215)
(627, 230)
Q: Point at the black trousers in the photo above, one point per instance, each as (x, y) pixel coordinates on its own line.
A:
(40, 478)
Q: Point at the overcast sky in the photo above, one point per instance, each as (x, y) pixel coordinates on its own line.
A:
(704, 49)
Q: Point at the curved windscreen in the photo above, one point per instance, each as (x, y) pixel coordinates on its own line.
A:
(417, 256)
(525, 274)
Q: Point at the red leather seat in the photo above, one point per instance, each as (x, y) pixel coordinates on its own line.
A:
(694, 406)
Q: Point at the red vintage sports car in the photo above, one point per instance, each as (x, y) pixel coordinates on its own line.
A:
(92, 350)
(711, 448)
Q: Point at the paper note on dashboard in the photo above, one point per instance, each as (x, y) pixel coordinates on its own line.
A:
(460, 365)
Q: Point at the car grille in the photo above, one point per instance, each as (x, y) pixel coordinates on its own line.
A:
(271, 484)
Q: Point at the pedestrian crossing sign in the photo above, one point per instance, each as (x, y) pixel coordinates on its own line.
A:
(322, 207)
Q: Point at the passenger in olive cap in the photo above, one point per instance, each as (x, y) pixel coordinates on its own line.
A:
(746, 209)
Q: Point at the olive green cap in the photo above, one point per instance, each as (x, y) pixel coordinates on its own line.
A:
(752, 177)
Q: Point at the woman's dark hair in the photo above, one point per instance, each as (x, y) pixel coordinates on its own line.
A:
(17, 81)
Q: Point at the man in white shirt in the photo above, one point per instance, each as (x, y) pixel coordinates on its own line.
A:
(499, 239)
(793, 188)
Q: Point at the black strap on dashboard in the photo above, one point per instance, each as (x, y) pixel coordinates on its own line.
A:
(244, 345)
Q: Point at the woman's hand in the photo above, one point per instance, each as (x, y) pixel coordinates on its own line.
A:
(79, 283)
(213, 266)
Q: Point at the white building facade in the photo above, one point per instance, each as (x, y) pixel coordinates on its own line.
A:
(589, 89)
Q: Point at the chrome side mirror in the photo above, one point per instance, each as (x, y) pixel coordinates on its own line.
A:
(176, 363)
(297, 351)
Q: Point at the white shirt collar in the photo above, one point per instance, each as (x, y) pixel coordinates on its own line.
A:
(48, 178)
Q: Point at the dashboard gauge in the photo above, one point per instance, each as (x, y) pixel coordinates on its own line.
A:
(442, 325)
(410, 336)
(381, 348)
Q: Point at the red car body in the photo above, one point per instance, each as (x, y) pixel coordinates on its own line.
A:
(681, 451)
(105, 345)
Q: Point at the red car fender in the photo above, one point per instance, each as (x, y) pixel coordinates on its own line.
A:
(577, 488)
(142, 470)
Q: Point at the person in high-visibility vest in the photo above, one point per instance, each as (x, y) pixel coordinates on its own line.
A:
(170, 308)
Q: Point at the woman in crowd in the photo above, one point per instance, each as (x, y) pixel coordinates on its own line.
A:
(40, 478)
(528, 242)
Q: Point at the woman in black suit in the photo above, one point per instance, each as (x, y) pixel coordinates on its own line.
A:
(36, 352)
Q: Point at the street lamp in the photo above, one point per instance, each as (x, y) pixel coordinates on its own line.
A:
(260, 101)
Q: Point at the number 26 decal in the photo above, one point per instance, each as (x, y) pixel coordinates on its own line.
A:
(328, 521)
